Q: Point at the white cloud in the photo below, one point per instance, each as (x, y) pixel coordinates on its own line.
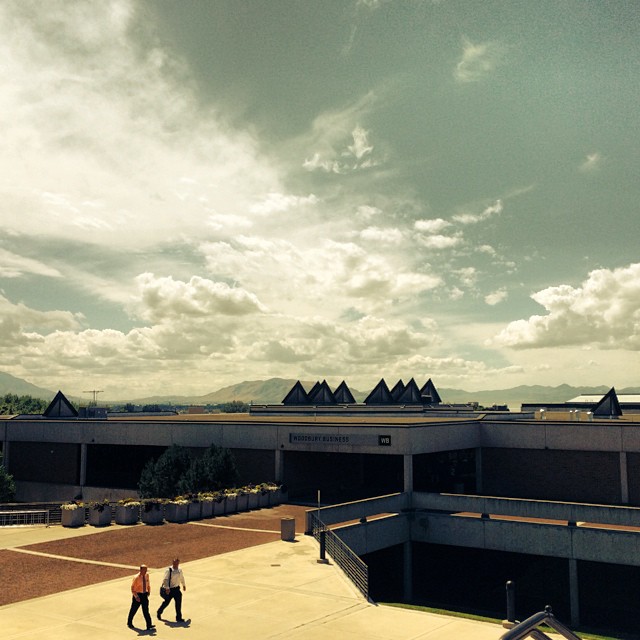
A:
(165, 298)
(384, 235)
(94, 100)
(439, 242)
(13, 265)
(591, 163)
(478, 60)
(604, 312)
(279, 202)
(435, 225)
(473, 218)
(467, 276)
(352, 157)
(496, 297)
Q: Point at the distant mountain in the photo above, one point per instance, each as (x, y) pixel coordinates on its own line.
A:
(273, 390)
(11, 384)
(520, 394)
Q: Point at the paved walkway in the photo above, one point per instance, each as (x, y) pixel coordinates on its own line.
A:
(272, 591)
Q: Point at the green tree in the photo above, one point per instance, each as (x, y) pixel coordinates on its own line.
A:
(215, 469)
(160, 478)
(178, 471)
(7, 485)
(235, 406)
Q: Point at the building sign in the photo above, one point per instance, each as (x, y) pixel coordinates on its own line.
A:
(354, 439)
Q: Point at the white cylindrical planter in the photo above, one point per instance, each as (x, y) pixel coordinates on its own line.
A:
(288, 529)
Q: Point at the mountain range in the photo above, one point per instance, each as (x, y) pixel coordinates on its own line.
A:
(273, 390)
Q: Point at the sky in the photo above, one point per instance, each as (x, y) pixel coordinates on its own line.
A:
(198, 193)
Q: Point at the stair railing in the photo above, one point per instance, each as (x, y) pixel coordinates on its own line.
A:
(529, 628)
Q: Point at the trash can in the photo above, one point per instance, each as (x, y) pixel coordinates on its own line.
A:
(288, 529)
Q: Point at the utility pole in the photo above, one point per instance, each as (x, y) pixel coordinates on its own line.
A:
(95, 393)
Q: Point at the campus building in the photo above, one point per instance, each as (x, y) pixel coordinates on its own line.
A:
(548, 497)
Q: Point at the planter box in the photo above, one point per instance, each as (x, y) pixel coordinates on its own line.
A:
(72, 517)
(127, 515)
(206, 508)
(253, 499)
(263, 499)
(194, 511)
(176, 512)
(274, 498)
(219, 508)
(242, 503)
(99, 518)
(155, 515)
(231, 504)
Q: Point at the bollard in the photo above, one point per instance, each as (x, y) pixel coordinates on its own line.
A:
(511, 601)
(288, 529)
(323, 548)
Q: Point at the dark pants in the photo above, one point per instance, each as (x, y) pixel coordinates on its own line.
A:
(174, 594)
(136, 604)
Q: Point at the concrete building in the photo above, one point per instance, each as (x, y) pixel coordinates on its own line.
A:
(554, 493)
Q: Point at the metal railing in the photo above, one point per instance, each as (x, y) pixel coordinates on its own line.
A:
(529, 628)
(355, 569)
(24, 517)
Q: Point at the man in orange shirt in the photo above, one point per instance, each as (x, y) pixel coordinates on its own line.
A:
(140, 590)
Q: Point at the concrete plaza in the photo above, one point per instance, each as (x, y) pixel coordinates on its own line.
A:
(273, 590)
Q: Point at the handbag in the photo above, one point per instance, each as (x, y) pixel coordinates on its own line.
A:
(163, 593)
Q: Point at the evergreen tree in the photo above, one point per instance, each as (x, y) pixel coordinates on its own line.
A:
(161, 478)
(7, 485)
(178, 471)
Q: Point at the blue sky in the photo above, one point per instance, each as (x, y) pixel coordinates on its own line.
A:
(200, 193)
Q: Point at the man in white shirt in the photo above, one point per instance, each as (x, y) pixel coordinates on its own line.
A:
(170, 590)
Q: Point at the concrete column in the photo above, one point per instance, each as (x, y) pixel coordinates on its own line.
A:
(574, 596)
(624, 478)
(83, 464)
(279, 470)
(408, 473)
(478, 470)
(407, 573)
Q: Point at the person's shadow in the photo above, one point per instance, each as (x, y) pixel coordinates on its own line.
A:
(184, 623)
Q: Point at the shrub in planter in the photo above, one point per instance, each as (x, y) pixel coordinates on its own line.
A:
(219, 503)
(72, 514)
(194, 511)
(100, 513)
(231, 502)
(263, 495)
(176, 510)
(206, 504)
(242, 500)
(127, 511)
(152, 511)
(253, 494)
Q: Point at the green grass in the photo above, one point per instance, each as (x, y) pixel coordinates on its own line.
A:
(584, 635)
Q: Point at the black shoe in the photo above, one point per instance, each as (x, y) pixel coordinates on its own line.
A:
(179, 619)
(129, 625)
(159, 614)
(151, 628)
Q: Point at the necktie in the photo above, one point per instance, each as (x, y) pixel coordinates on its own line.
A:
(144, 584)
